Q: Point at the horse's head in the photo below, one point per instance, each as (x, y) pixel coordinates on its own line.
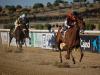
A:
(80, 23)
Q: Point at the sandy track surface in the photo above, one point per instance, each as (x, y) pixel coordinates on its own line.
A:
(36, 61)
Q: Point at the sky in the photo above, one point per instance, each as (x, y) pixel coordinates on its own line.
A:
(25, 2)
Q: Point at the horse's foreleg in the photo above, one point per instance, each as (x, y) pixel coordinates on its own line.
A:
(67, 56)
(29, 40)
(17, 43)
(72, 57)
(81, 53)
(25, 42)
(60, 55)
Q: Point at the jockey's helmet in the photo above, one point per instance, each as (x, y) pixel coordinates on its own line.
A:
(23, 16)
(70, 16)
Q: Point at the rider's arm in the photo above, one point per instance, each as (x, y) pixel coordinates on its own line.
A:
(66, 24)
(16, 23)
(27, 22)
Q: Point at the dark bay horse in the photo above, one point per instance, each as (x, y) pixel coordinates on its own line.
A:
(18, 35)
(71, 39)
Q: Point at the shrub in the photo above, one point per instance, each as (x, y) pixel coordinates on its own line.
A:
(38, 26)
(99, 27)
(9, 26)
(89, 26)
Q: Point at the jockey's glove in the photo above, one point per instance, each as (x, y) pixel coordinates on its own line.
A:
(74, 23)
(68, 27)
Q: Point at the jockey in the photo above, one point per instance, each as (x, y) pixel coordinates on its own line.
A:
(69, 22)
(25, 20)
(22, 20)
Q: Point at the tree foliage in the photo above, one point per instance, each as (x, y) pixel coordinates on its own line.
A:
(0, 8)
(49, 4)
(38, 5)
(10, 8)
(56, 2)
(18, 7)
(79, 0)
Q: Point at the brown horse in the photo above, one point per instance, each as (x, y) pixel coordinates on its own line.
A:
(71, 39)
(18, 35)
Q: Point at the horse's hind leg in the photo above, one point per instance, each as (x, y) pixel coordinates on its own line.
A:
(60, 54)
(10, 39)
(17, 43)
(81, 53)
(29, 40)
(25, 42)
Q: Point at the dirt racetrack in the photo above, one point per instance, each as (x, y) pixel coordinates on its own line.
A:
(36, 61)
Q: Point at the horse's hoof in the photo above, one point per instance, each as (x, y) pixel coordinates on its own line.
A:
(67, 57)
(73, 62)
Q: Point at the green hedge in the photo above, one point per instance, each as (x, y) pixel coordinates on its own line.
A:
(99, 27)
(9, 26)
(89, 26)
(40, 26)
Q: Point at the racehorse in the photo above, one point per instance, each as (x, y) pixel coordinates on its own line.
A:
(19, 35)
(71, 39)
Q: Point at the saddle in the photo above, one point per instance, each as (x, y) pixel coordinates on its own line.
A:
(23, 29)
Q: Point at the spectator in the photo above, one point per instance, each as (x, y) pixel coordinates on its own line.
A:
(49, 27)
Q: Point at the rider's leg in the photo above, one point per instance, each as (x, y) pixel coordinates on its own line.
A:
(15, 29)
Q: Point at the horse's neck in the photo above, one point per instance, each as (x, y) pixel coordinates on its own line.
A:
(60, 37)
(80, 23)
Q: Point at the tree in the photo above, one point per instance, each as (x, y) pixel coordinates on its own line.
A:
(56, 2)
(82, 0)
(18, 7)
(26, 10)
(75, 0)
(0, 8)
(10, 8)
(49, 4)
(79, 0)
(38, 5)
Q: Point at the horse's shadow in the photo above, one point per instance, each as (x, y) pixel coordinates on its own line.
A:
(69, 65)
